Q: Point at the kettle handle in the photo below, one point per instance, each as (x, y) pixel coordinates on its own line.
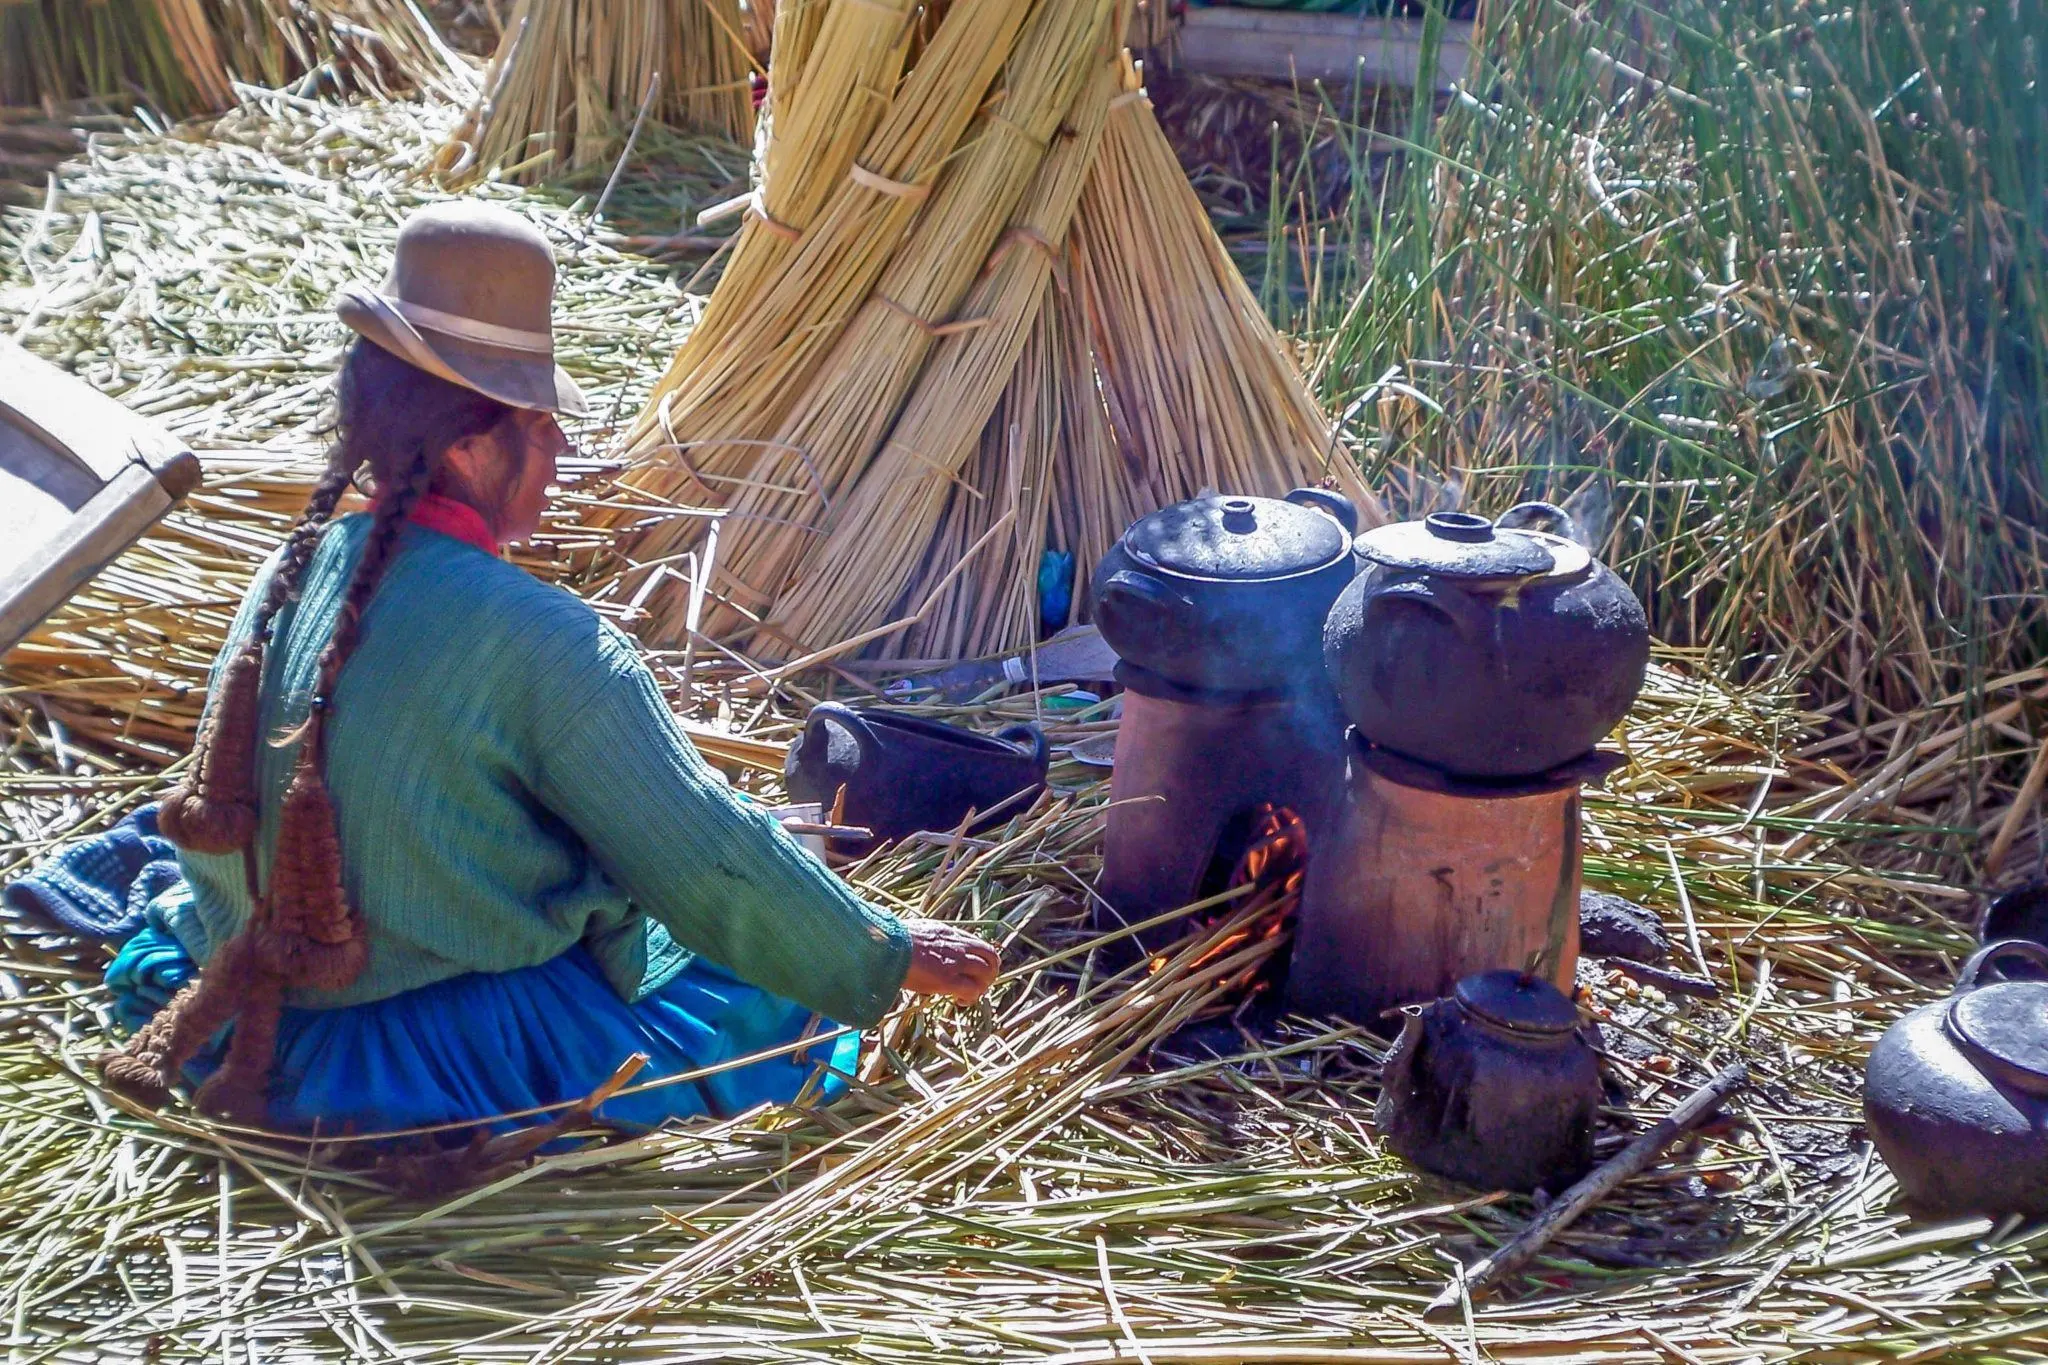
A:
(1328, 501)
(1467, 616)
(851, 720)
(1539, 516)
(1026, 733)
(1967, 978)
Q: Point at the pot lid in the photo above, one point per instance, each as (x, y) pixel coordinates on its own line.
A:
(1518, 1002)
(2005, 1024)
(1461, 545)
(1238, 539)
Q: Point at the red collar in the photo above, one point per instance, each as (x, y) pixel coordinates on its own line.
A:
(453, 518)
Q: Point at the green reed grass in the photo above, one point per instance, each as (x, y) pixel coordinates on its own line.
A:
(1764, 283)
(62, 49)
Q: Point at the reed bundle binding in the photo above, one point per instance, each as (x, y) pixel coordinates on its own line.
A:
(186, 56)
(837, 408)
(571, 79)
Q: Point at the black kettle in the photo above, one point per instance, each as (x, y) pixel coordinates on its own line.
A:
(1956, 1093)
(1493, 1086)
(903, 773)
(1484, 649)
(1228, 594)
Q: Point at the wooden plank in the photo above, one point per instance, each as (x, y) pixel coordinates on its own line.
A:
(1335, 49)
(126, 506)
(67, 414)
(81, 478)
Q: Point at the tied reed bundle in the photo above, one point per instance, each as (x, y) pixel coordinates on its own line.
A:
(718, 425)
(915, 312)
(852, 580)
(850, 363)
(1200, 390)
(570, 77)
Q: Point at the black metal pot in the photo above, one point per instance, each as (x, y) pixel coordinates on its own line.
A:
(903, 773)
(1227, 594)
(1493, 1086)
(1482, 649)
(1956, 1093)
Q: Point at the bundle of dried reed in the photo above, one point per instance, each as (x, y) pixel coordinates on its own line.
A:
(185, 56)
(570, 78)
(837, 410)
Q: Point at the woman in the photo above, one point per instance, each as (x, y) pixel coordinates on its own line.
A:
(446, 853)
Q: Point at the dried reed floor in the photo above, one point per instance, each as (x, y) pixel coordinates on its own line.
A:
(1060, 1175)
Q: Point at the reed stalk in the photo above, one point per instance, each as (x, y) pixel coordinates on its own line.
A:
(570, 77)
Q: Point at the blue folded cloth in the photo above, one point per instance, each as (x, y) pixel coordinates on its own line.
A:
(151, 967)
(100, 887)
(473, 1047)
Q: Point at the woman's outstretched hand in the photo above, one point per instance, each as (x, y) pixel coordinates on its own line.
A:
(948, 961)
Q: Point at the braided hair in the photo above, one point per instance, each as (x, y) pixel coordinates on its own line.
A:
(396, 422)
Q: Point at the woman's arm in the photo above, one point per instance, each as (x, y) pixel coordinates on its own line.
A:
(721, 875)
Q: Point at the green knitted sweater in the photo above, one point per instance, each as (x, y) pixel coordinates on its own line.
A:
(509, 783)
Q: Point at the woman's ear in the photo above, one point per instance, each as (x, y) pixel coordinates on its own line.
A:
(472, 460)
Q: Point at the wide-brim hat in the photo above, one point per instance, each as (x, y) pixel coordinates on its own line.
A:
(470, 298)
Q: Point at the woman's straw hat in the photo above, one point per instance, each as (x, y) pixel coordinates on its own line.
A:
(470, 298)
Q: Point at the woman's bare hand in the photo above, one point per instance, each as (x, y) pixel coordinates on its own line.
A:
(948, 961)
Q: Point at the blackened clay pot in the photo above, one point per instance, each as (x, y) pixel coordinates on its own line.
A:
(1228, 594)
(1484, 650)
(1493, 1086)
(904, 773)
(1956, 1093)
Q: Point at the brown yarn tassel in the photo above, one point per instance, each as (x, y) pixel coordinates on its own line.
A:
(149, 1064)
(302, 931)
(237, 1091)
(213, 808)
(315, 937)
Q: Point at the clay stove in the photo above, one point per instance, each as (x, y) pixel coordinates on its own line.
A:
(1424, 878)
(1503, 651)
(1193, 770)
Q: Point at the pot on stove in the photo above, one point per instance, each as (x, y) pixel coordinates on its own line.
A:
(1956, 1093)
(1484, 649)
(1227, 594)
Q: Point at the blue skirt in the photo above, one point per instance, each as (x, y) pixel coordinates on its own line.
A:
(472, 1048)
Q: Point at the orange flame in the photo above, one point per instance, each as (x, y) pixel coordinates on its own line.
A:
(1275, 860)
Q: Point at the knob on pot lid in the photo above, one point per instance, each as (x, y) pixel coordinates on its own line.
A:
(2004, 1028)
(1461, 545)
(1517, 1002)
(1240, 539)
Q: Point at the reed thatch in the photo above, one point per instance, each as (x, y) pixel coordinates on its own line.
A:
(572, 79)
(185, 56)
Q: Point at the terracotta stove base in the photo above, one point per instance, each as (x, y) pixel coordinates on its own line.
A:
(1422, 879)
(1191, 769)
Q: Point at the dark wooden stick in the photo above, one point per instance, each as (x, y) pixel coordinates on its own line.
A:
(1596, 1186)
(1677, 983)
